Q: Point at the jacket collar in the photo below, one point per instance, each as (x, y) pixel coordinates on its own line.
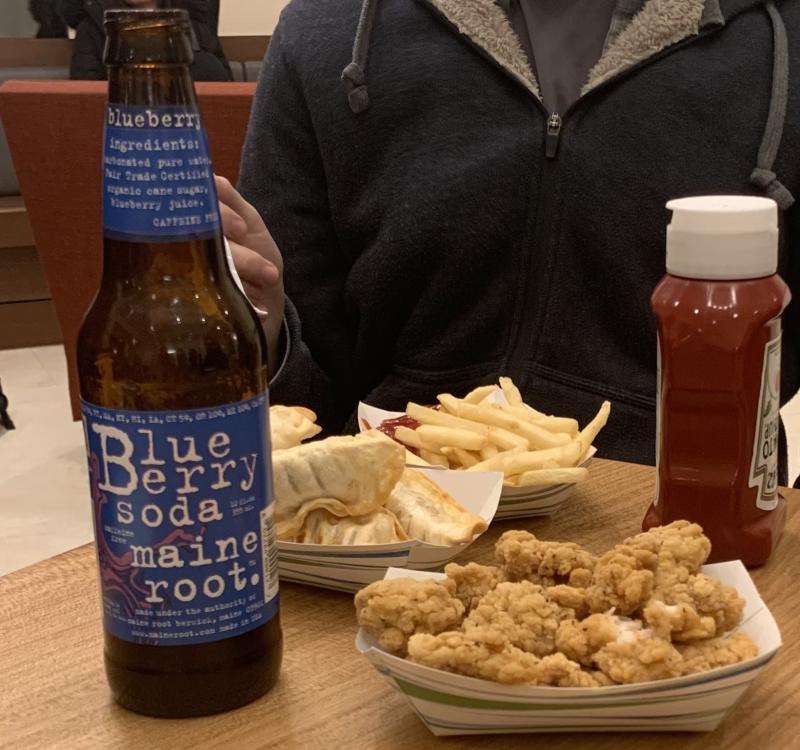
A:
(485, 24)
(657, 25)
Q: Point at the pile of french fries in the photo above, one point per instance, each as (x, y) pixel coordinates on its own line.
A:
(475, 433)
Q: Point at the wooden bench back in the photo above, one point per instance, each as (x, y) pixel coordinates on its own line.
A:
(55, 131)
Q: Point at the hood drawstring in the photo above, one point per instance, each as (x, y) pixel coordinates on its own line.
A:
(763, 177)
(354, 75)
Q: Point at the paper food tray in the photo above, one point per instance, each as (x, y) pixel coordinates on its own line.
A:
(350, 567)
(515, 502)
(451, 704)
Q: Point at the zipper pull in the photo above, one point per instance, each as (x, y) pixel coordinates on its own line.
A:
(553, 135)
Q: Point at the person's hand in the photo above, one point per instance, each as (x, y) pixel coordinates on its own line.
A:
(257, 259)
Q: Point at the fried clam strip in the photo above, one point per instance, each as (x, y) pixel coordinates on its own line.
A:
(394, 610)
(517, 613)
(455, 651)
(473, 581)
(523, 557)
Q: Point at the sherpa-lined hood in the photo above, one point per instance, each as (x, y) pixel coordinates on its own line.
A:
(653, 27)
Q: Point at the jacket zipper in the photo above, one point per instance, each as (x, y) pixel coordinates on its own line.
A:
(515, 358)
(553, 136)
(539, 234)
(525, 338)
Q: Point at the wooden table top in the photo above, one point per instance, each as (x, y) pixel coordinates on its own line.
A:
(53, 692)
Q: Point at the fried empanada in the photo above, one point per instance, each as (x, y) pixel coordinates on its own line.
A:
(429, 514)
(291, 425)
(348, 476)
(379, 527)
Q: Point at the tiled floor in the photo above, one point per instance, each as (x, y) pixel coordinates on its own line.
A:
(44, 501)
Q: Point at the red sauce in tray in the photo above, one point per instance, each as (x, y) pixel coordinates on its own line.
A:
(389, 426)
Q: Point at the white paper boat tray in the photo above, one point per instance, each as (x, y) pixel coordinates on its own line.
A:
(350, 567)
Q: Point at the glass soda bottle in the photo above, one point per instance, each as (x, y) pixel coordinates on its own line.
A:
(173, 377)
(719, 324)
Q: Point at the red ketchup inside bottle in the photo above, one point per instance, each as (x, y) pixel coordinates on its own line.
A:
(719, 323)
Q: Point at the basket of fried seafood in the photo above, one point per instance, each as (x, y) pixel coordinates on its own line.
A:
(553, 638)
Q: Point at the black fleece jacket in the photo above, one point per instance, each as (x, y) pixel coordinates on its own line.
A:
(86, 17)
(430, 242)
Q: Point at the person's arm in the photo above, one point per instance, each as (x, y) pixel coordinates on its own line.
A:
(283, 177)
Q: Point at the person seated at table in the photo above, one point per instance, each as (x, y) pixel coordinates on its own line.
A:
(486, 194)
(86, 17)
(45, 13)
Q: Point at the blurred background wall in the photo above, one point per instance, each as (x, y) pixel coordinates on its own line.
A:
(237, 17)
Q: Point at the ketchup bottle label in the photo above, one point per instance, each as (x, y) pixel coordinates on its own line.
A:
(658, 421)
(764, 466)
(183, 520)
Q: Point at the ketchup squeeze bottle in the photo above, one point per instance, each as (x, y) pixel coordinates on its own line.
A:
(719, 324)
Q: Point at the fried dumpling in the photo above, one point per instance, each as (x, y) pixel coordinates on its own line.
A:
(291, 425)
(348, 476)
(431, 515)
(379, 527)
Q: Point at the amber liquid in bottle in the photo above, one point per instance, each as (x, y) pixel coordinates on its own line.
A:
(170, 331)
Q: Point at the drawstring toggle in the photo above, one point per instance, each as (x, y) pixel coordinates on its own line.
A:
(355, 85)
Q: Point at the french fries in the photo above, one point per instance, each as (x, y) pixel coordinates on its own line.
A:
(511, 392)
(550, 477)
(479, 394)
(451, 437)
(493, 429)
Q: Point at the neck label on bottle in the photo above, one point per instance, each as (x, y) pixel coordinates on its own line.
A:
(183, 521)
(158, 180)
(764, 465)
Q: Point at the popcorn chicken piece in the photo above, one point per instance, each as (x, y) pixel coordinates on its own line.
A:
(581, 640)
(623, 579)
(678, 622)
(571, 597)
(473, 581)
(526, 558)
(717, 652)
(394, 610)
(456, 652)
(557, 670)
(639, 656)
(517, 613)
(701, 607)
(681, 543)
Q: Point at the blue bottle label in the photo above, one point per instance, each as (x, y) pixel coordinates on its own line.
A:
(183, 511)
(158, 181)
